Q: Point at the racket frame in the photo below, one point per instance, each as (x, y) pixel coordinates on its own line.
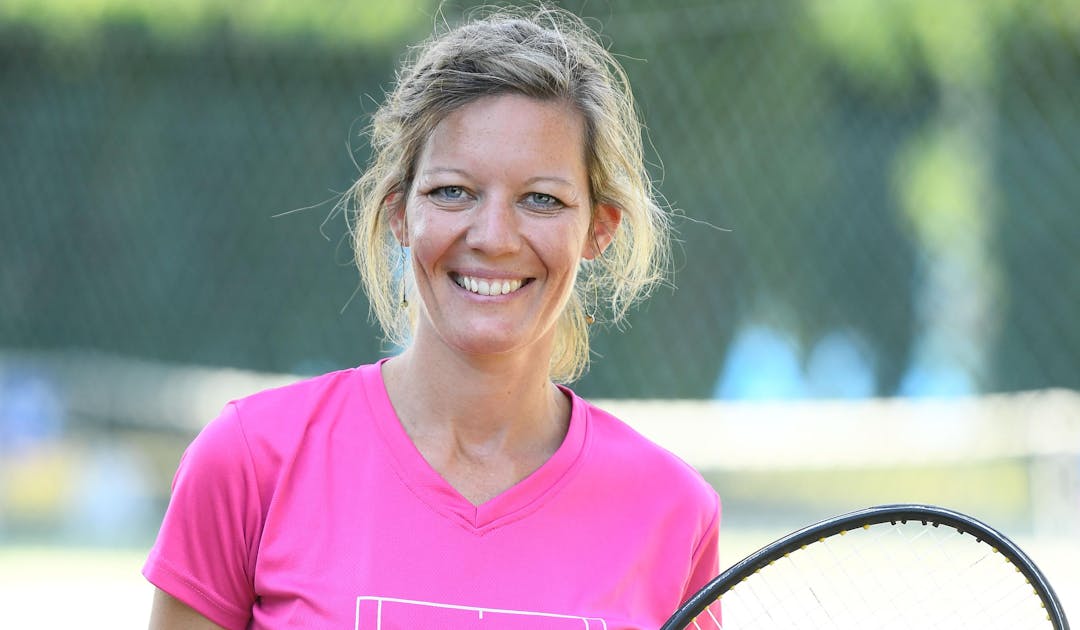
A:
(893, 513)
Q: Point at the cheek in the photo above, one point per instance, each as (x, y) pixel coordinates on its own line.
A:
(427, 237)
(564, 254)
(578, 245)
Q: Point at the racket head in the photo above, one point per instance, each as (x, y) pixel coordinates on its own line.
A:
(698, 605)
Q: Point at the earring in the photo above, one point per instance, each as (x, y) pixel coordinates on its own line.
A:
(589, 319)
(404, 300)
(401, 243)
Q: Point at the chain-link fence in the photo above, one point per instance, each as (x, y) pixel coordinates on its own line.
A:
(874, 198)
(897, 183)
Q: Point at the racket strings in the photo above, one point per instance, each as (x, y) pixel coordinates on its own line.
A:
(935, 569)
(926, 550)
(709, 619)
(890, 575)
(963, 582)
(993, 585)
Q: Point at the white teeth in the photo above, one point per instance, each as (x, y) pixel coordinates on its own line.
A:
(488, 287)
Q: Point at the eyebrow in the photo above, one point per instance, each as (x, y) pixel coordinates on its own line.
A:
(549, 178)
(438, 170)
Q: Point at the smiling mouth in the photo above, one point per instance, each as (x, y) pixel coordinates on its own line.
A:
(486, 286)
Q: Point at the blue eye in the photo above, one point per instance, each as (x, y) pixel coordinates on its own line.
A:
(543, 201)
(449, 193)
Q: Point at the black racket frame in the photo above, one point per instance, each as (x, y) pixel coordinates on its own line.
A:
(894, 513)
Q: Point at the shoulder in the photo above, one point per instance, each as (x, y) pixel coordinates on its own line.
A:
(649, 486)
(293, 408)
(273, 423)
(304, 395)
(637, 460)
(619, 440)
(255, 436)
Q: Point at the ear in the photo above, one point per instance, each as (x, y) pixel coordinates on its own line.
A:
(396, 209)
(604, 225)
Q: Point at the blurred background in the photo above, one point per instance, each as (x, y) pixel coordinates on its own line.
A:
(875, 295)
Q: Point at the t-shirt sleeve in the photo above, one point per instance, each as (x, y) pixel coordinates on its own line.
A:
(704, 567)
(706, 562)
(206, 547)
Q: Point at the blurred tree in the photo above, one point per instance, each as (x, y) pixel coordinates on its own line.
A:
(897, 175)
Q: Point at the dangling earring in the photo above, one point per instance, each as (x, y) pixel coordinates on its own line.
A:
(401, 243)
(589, 319)
(404, 300)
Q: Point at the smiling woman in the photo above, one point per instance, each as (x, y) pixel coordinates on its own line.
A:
(550, 56)
(485, 213)
(458, 481)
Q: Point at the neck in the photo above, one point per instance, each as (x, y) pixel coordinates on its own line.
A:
(504, 403)
(484, 425)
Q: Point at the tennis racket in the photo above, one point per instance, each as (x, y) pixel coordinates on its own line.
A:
(886, 567)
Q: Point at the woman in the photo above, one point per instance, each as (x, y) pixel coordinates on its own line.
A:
(456, 483)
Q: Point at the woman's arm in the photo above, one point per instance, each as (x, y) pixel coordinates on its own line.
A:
(169, 613)
(200, 559)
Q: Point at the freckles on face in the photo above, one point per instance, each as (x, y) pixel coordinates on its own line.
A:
(497, 220)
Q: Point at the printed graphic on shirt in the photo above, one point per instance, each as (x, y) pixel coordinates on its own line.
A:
(387, 613)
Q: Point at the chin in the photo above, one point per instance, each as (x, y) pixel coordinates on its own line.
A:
(490, 343)
(486, 347)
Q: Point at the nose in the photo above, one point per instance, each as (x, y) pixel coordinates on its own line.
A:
(494, 227)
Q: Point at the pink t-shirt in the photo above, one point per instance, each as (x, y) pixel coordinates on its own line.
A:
(308, 506)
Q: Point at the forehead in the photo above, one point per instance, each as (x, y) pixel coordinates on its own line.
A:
(509, 133)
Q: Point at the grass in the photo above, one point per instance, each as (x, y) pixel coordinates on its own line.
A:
(48, 587)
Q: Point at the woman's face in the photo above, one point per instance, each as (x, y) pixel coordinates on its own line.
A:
(497, 219)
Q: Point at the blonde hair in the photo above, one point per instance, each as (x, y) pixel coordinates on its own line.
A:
(542, 53)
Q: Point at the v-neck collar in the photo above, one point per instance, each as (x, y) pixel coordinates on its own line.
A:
(429, 486)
